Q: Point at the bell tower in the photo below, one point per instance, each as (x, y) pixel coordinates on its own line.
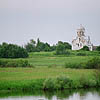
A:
(80, 31)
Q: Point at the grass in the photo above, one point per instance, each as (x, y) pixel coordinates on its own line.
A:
(49, 59)
(33, 78)
(10, 74)
(46, 65)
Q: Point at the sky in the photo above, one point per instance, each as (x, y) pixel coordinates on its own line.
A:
(49, 20)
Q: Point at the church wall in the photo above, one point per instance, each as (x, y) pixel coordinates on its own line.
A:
(81, 40)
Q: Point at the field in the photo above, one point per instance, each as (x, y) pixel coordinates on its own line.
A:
(49, 59)
(44, 65)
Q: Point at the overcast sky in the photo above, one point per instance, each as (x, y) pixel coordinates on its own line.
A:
(49, 20)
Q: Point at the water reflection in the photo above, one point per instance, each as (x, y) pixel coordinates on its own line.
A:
(91, 94)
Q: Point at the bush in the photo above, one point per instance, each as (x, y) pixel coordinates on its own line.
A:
(74, 65)
(14, 63)
(76, 84)
(98, 48)
(85, 48)
(93, 63)
(49, 84)
(63, 82)
(61, 49)
(97, 76)
(86, 83)
(81, 54)
(92, 83)
(59, 83)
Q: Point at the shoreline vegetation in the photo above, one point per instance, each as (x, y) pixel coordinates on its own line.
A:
(49, 94)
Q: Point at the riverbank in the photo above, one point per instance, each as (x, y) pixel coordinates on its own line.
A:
(63, 94)
(35, 78)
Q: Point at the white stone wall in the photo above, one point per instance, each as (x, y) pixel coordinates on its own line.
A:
(81, 40)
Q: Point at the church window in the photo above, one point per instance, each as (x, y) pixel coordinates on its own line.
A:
(78, 45)
(79, 39)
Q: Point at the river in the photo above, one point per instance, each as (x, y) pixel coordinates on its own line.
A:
(82, 94)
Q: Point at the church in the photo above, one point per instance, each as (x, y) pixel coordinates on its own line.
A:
(81, 40)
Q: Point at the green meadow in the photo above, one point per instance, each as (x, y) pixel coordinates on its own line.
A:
(45, 65)
(49, 59)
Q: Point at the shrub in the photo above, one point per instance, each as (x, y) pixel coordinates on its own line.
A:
(61, 50)
(81, 54)
(49, 84)
(97, 76)
(76, 84)
(85, 48)
(63, 82)
(84, 82)
(14, 63)
(73, 65)
(59, 83)
(98, 48)
(93, 63)
(92, 83)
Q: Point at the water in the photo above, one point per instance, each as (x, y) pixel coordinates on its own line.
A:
(92, 94)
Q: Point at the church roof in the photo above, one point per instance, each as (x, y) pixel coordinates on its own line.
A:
(81, 28)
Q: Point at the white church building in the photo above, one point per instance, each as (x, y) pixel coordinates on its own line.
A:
(81, 40)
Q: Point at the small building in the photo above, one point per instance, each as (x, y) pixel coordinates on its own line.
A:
(81, 40)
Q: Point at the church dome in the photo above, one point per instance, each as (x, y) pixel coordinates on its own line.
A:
(81, 28)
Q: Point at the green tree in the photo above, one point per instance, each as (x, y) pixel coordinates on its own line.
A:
(12, 51)
(53, 48)
(66, 44)
(60, 49)
(47, 47)
(85, 48)
(98, 48)
(30, 47)
(40, 45)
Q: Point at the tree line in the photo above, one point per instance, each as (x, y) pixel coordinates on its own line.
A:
(12, 51)
(15, 51)
(37, 46)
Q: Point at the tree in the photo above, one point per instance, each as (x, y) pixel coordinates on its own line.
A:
(53, 48)
(85, 48)
(98, 48)
(40, 45)
(30, 47)
(66, 45)
(47, 47)
(60, 49)
(12, 51)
